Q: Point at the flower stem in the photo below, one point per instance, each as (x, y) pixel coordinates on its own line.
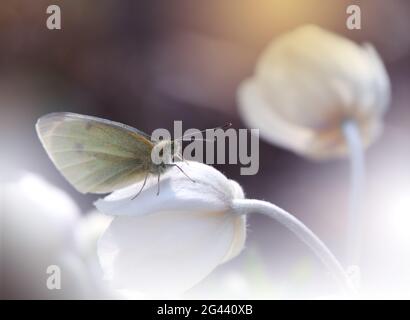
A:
(357, 172)
(246, 206)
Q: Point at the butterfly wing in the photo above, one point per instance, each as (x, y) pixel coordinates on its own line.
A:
(95, 155)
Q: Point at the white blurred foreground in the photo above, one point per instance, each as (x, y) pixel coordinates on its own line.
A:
(42, 228)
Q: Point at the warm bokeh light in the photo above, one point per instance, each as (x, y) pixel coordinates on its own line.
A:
(148, 63)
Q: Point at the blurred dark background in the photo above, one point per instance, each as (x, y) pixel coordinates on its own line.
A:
(148, 63)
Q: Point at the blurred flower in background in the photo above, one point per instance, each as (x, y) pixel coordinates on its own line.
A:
(307, 83)
(322, 96)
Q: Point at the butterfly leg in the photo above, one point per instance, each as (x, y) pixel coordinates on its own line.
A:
(180, 157)
(158, 184)
(143, 185)
(180, 169)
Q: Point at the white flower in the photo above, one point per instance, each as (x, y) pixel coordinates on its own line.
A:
(41, 226)
(307, 84)
(166, 244)
(162, 245)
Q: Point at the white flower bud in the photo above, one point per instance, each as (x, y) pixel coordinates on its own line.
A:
(165, 244)
(307, 84)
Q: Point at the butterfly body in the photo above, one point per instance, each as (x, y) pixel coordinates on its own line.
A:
(99, 156)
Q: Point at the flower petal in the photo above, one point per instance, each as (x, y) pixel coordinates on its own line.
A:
(211, 191)
(167, 252)
(272, 126)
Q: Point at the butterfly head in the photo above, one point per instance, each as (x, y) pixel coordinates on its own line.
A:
(165, 152)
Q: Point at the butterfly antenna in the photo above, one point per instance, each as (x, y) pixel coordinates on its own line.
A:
(224, 127)
(180, 169)
(181, 157)
(206, 140)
